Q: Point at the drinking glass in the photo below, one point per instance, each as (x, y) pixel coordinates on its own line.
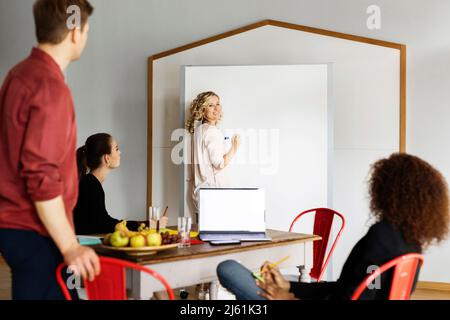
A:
(184, 232)
(154, 214)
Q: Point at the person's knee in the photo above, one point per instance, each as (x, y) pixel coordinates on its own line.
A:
(225, 269)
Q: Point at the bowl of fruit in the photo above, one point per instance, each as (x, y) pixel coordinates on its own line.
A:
(145, 241)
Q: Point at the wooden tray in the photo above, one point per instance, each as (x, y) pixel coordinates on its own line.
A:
(143, 251)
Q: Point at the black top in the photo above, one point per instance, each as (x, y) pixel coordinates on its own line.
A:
(90, 215)
(382, 243)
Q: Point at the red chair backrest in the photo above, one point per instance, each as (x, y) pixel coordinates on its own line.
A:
(402, 279)
(111, 283)
(323, 222)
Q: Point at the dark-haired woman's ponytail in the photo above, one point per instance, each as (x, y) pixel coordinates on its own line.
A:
(82, 162)
(89, 157)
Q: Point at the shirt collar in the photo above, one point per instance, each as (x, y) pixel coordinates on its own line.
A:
(48, 60)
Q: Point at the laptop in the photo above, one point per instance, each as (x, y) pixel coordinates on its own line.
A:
(232, 214)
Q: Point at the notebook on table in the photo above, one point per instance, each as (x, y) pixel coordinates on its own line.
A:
(89, 240)
(227, 214)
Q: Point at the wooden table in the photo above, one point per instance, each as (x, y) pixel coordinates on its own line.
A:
(197, 264)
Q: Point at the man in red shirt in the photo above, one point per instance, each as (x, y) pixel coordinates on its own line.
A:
(39, 182)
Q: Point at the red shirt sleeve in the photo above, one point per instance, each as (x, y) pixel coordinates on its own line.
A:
(45, 140)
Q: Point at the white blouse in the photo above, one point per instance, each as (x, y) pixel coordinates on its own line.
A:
(208, 156)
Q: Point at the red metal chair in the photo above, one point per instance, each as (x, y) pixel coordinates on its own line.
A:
(402, 279)
(323, 222)
(111, 283)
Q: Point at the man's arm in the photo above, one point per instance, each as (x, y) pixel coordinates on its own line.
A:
(53, 216)
(44, 148)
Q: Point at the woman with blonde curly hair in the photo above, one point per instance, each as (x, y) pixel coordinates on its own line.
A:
(209, 155)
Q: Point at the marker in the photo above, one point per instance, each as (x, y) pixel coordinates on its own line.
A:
(258, 275)
(273, 265)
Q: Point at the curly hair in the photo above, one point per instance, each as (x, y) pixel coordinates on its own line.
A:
(413, 196)
(197, 109)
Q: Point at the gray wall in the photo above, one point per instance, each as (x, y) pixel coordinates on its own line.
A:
(109, 83)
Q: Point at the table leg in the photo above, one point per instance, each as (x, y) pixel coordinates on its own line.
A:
(308, 263)
(135, 290)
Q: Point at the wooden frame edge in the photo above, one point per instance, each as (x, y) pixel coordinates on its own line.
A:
(149, 132)
(429, 285)
(210, 39)
(334, 34)
(280, 24)
(324, 32)
(403, 98)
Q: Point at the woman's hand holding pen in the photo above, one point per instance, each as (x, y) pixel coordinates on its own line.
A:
(274, 287)
(236, 142)
(275, 275)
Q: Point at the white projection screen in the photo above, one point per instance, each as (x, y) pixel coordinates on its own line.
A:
(282, 113)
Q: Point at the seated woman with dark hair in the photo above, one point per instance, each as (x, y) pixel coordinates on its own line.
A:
(409, 202)
(100, 155)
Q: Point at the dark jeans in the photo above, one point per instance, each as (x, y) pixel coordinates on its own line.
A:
(238, 280)
(33, 260)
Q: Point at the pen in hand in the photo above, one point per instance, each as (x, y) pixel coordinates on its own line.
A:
(273, 265)
(259, 275)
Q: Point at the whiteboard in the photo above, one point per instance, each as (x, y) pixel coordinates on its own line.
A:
(281, 113)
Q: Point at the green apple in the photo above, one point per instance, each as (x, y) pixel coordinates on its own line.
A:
(137, 241)
(119, 240)
(154, 240)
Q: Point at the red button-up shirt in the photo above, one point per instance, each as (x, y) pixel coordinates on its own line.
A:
(37, 142)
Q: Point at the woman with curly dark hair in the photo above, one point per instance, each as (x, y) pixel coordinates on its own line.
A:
(411, 195)
(410, 205)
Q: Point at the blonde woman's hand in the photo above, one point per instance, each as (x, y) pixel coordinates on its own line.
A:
(236, 142)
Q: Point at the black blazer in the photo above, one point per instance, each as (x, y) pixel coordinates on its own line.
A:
(90, 215)
(382, 243)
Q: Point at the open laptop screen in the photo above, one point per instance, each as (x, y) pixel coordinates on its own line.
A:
(230, 210)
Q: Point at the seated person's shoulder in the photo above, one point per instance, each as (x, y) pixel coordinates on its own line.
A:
(89, 182)
(380, 228)
(385, 239)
